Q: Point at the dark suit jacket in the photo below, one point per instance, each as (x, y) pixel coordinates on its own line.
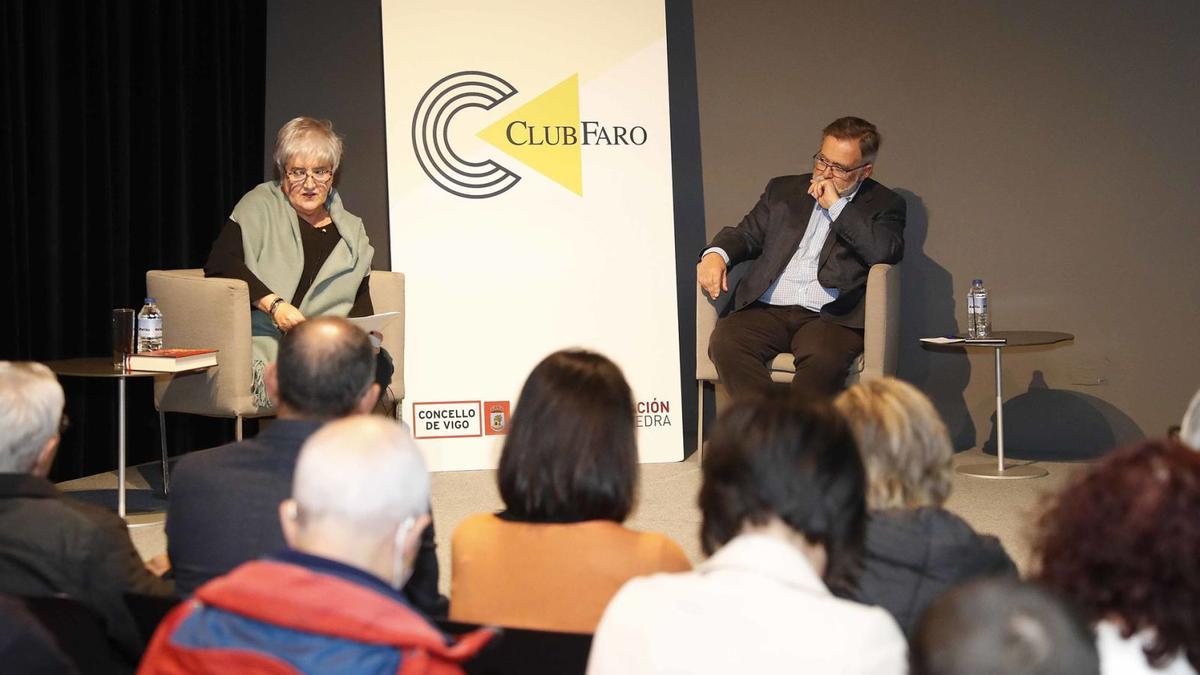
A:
(869, 230)
(52, 545)
(224, 511)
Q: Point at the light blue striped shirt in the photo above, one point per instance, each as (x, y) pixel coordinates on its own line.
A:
(798, 284)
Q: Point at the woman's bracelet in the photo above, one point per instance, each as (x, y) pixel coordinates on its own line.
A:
(274, 306)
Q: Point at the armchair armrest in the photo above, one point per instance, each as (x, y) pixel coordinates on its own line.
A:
(882, 322)
(205, 313)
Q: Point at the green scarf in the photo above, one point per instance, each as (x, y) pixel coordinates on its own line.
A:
(275, 254)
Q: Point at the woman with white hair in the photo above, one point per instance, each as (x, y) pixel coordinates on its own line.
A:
(914, 549)
(300, 252)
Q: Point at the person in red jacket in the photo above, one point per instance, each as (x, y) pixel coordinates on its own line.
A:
(331, 602)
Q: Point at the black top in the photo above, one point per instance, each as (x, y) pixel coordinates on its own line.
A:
(228, 260)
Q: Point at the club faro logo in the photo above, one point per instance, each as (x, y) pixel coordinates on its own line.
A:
(546, 134)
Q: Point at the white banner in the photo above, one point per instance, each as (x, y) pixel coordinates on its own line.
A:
(529, 169)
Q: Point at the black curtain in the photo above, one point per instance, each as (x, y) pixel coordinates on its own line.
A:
(128, 130)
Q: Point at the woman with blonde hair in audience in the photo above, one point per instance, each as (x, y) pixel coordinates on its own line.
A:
(557, 553)
(782, 503)
(1123, 543)
(914, 549)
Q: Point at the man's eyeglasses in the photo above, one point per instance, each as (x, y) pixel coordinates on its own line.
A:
(821, 165)
(320, 175)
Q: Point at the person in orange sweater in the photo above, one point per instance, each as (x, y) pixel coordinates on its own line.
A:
(568, 476)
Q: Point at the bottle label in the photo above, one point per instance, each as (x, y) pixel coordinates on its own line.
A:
(977, 305)
(149, 328)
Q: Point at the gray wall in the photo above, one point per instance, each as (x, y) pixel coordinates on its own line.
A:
(1049, 148)
(326, 60)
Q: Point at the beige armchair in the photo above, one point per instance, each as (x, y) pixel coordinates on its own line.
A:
(880, 337)
(214, 313)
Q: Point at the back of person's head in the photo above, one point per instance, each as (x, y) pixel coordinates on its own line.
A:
(31, 409)
(325, 367)
(1001, 626)
(903, 441)
(362, 473)
(1189, 430)
(571, 454)
(779, 456)
(1121, 542)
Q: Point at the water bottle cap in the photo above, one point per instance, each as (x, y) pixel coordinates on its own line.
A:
(977, 282)
(149, 301)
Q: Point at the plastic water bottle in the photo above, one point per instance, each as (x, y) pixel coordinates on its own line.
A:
(979, 317)
(149, 327)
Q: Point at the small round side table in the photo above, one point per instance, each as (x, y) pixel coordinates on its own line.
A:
(1013, 338)
(102, 367)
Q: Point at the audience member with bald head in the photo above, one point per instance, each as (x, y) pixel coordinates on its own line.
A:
(49, 544)
(331, 601)
(223, 501)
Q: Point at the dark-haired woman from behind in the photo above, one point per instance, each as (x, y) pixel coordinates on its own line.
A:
(568, 476)
(783, 506)
(1123, 543)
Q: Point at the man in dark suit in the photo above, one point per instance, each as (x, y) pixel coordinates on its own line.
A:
(810, 240)
(224, 502)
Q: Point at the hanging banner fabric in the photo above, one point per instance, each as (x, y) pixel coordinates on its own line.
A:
(530, 196)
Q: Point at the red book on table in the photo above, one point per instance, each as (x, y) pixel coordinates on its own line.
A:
(172, 360)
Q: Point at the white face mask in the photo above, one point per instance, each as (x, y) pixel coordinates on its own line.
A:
(400, 571)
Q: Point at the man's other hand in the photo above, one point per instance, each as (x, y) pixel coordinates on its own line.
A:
(711, 275)
(824, 191)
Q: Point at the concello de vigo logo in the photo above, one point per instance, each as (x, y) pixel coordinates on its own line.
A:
(546, 134)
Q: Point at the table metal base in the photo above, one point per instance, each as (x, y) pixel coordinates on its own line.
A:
(1009, 472)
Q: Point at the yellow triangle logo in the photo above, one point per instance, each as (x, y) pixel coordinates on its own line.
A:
(544, 135)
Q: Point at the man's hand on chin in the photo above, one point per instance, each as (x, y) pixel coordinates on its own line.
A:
(824, 191)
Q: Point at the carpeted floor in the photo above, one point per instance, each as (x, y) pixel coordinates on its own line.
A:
(667, 503)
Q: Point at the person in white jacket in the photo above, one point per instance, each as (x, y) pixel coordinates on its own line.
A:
(783, 507)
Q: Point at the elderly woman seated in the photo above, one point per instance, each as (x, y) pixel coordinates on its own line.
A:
(1123, 543)
(783, 506)
(300, 252)
(568, 473)
(914, 548)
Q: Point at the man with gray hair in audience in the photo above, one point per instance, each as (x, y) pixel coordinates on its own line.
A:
(49, 544)
(221, 511)
(332, 601)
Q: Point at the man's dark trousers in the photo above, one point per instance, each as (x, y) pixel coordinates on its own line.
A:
(744, 342)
